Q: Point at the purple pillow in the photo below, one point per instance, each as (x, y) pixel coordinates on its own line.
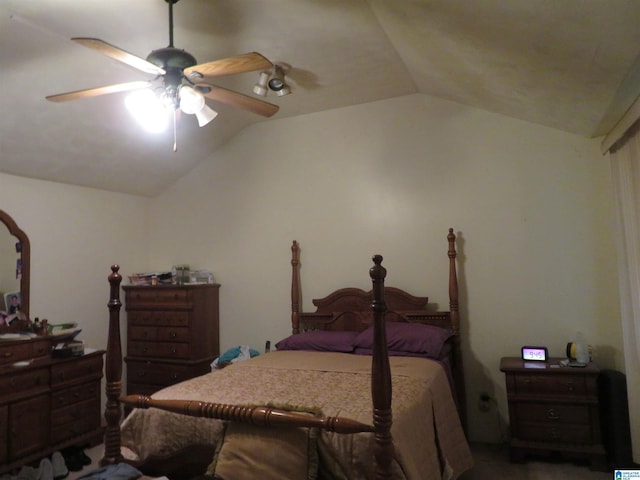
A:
(409, 339)
(319, 341)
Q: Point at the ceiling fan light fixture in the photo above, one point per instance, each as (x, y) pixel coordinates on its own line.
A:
(205, 115)
(285, 90)
(145, 106)
(191, 101)
(260, 88)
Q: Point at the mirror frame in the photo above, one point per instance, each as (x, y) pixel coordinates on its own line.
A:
(25, 255)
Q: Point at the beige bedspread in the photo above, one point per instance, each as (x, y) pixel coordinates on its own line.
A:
(428, 438)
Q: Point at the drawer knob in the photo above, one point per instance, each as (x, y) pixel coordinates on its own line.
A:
(173, 350)
(570, 386)
(173, 334)
(553, 414)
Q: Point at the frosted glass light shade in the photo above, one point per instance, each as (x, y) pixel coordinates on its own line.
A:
(148, 110)
(205, 115)
(191, 101)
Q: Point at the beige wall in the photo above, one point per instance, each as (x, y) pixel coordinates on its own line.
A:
(76, 234)
(532, 208)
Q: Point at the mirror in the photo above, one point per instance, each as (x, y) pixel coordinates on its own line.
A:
(14, 264)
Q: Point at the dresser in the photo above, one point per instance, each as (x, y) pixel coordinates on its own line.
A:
(553, 409)
(46, 404)
(172, 334)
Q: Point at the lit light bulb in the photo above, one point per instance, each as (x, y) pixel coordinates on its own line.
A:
(148, 110)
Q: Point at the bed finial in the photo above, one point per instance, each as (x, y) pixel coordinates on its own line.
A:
(113, 374)
(381, 375)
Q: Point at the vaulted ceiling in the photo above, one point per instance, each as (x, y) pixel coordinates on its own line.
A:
(569, 64)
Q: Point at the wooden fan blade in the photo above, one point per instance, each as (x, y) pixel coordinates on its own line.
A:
(247, 62)
(119, 54)
(235, 99)
(94, 92)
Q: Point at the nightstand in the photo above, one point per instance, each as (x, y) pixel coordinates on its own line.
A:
(553, 409)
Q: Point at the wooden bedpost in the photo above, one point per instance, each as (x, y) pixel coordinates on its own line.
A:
(381, 375)
(295, 288)
(113, 374)
(455, 325)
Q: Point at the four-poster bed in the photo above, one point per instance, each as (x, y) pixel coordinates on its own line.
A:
(310, 390)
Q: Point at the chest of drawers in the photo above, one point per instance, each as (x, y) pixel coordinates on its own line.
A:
(48, 404)
(172, 334)
(553, 409)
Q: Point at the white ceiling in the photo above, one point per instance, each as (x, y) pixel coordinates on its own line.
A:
(568, 64)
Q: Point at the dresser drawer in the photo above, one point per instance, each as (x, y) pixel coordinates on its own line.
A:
(156, 374)
(570, 385)
(554, 433)
(4, 432)
(163, 374)
(160, 334)
(82, 368)
(159, 350)
(77, 427)
(166, 318)
(142, 388)
(70, 396)
(73, 413)
(12, 352)
(553, 413)
(153, 296)
(24, 383)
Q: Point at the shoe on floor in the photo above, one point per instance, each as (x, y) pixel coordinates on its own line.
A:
(27, 473)
(84, 458)
(60, 469)
(45, 471)
(75, 458)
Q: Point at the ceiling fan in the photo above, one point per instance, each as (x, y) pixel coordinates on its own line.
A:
(179, 78)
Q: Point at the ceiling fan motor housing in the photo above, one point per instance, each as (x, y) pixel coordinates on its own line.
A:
(171, 58)
(173, 61)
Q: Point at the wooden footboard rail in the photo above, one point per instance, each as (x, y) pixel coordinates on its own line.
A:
(260, 416)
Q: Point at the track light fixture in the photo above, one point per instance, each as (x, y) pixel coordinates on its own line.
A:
(260, 88)
(274, 80)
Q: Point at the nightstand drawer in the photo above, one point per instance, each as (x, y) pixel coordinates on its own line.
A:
(555, 433)
(553, 413)
(571, 385)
